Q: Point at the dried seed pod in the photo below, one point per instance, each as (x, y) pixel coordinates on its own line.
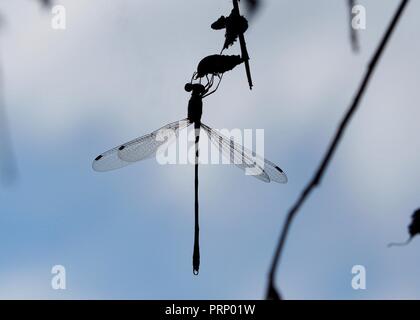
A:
(235, 25)
(219, 24)
(46, 3)
(413, 229)
(217, 64)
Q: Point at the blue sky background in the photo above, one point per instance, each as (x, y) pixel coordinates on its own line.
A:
(118, 72)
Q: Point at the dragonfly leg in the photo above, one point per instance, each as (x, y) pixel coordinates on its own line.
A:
(220, 76)
(193, 76)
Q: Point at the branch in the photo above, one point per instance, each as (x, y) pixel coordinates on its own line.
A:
(316, 180)
(354, 39)
(46, 3)
(8, 167)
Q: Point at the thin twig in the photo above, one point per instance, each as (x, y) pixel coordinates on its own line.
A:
(316, 180)
(46, 3)
(8, 167)
(354, 39)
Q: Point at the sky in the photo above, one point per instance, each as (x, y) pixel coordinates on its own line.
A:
(118, 71)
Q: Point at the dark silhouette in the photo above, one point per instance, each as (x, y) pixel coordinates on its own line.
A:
(215, 66)
(235, 26)
(413, 229)
(195, 111)
(8, 167)
(354, 39)
(148, 145)
(253, 5)
(316, 180)
(46, 3)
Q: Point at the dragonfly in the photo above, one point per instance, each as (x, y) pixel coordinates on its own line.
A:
(148, 146)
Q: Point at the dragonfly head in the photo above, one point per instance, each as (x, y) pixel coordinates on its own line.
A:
(195, 88)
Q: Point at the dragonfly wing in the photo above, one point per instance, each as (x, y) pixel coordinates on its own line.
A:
(245, 159)
(108, 161)
(138, 149)
(153, 143)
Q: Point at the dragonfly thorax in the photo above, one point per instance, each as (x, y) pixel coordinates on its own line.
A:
(195, 105)
(195, 108)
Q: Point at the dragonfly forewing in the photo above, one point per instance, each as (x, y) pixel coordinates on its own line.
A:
(139, 149)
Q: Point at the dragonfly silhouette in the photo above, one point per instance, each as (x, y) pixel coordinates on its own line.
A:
(158, 141)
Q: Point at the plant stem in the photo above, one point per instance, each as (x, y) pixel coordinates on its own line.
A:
(316, 180)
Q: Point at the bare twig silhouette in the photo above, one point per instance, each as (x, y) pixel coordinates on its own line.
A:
(253, 6)
(413, 230)
(353, 32)
(244, 51)
(272, 293)
(46, 3)
(8, 168)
